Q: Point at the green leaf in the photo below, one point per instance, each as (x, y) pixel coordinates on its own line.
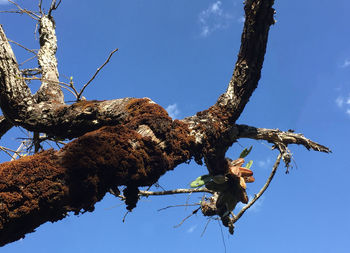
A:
(245, 152)
(200, 181)
(249, 164)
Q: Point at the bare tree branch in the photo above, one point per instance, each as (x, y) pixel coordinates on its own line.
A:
(176, 191)
(278, 136)
(280, 139)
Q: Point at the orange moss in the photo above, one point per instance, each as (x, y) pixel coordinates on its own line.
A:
(27, 185)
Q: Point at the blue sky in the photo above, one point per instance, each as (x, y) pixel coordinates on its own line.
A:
(181, 54)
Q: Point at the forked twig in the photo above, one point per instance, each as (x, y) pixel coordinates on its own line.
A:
(53, 6)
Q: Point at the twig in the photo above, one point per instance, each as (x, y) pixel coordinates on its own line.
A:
(206, 225)
(98, 70)
(6, 151)
(176, 206)
(53, 6)
(261, 192)
(63, 85)
(222, 235)
(66, 88)
(29, 13)
(193, 213)
(29, 59)
(20, 45)
(40, 9)
(31, 72)
(176, 191)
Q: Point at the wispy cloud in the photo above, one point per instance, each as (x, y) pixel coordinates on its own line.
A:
(343, 103)
(264, 163)
(213, 18)
(191, 229)
(339, 102)
(346, 63)
(3, 2)
(173, 110)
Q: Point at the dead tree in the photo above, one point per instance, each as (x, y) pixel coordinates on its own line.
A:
(128, 142)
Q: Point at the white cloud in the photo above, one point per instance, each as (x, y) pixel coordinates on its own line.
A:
(191, 229)
(346, 63)
(216, 8)
(3, 2)
(173, 110)
(343, 103)
(213, 18)
(264, 163)
(339, 102)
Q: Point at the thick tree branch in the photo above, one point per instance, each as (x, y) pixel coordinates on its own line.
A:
(247, 72)
(49, 90)
(45, 186)
(280, 139)
(276, 136)
(5, 125)
(212, 127)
